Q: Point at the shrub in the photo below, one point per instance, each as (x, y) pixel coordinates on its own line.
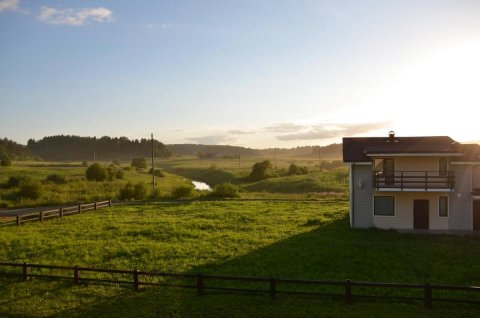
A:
(30, 190)
(84, 163)
(5, 161)
(16, 181)
(139, 163)
(131, 191)
(56, 178)
(293, 169)
(259, 170)
(127, 192)
(155, 194)
(225, 190)
(182, 191)
(96, 172)
(158, 172)
(116, 162)
(140, 191)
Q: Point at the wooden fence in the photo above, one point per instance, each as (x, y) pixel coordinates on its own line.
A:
(349, 290)
(57, 212)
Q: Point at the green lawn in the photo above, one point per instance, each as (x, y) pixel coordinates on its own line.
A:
(308, 240)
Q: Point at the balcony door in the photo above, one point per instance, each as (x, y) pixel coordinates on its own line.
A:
(389, 171)
(420, 214)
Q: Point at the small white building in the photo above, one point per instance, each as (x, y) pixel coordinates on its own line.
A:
(410, 183)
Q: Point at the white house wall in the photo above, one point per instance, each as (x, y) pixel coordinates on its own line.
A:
(461, 200)
(403, 218)
(416, 164)
(362, 187)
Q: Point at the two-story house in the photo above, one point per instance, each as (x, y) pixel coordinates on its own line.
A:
(428, 183)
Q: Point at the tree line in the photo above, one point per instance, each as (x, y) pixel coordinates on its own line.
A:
(61, 147)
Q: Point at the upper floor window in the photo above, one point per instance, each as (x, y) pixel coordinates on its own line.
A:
(442, 166)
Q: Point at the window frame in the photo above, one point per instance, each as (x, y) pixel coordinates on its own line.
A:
(447, 206)
(394, 205)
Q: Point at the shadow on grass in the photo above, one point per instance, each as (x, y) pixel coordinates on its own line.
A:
(330, 251)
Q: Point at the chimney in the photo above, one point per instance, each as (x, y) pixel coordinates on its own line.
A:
(391, 136)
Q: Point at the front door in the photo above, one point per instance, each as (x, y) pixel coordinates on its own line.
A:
(476, 215)
(420, 214)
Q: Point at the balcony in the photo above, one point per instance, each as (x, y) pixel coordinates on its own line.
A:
(428, 181)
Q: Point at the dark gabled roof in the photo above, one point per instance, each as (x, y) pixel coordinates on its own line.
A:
(471, 152)
(357, 149)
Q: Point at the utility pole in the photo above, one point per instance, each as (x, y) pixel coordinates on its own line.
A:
(153, 164)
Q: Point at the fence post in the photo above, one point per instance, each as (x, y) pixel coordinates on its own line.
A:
(348, 291)
(61, 213)
(110, 202)
(136, 282)
(79, 208)
(76, 275)
(95, 205)
(428, 295)
(200, 285)
(41, 216)
(18, 220)
(25, 271)
(273, 287)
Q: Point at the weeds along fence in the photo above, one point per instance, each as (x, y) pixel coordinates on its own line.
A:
(347, 290)
(57, 212)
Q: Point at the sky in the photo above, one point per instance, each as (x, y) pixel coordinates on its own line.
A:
(270, 73)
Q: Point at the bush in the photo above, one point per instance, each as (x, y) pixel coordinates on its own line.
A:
(84, 163)
(155, 194)
(16, 181)
(116, 162)
(96, 172)
(114, 172)
(30, 190)
(182, 192)
(5, 161)
(293, 169)
(259, 170)
(56, 178)
(131, 191)
(158, 172)
(139, 163)
(225, 190)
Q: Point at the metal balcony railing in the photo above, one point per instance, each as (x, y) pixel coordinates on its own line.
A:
(414, 180)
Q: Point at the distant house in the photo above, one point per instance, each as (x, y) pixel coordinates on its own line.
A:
(410, 183)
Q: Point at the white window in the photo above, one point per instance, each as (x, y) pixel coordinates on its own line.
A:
(443, 206)
(384, 205)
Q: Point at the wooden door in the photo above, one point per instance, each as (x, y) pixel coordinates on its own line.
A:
(476, 215)
(421, 214)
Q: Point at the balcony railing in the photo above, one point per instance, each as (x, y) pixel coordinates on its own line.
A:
(414, 180)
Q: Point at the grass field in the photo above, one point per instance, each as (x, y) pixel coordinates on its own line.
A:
(309, 240)
(76, 189)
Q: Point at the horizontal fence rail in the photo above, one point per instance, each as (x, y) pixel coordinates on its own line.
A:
(425, 180)
(42, 215)
(347, 290)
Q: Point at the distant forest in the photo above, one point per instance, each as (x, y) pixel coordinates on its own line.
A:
(76, 148)
(60, 148)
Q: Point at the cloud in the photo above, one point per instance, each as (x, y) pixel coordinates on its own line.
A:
(74, 17)
(333, 131)
(212, 140)
(155, 26)
(240, 132)
(285, 127)
(11, 5)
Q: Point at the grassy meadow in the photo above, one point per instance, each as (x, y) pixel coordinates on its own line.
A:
(177, 171)
(303, 239)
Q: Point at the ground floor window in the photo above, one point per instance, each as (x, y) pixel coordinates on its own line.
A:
(443, 206)
(384, 205)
